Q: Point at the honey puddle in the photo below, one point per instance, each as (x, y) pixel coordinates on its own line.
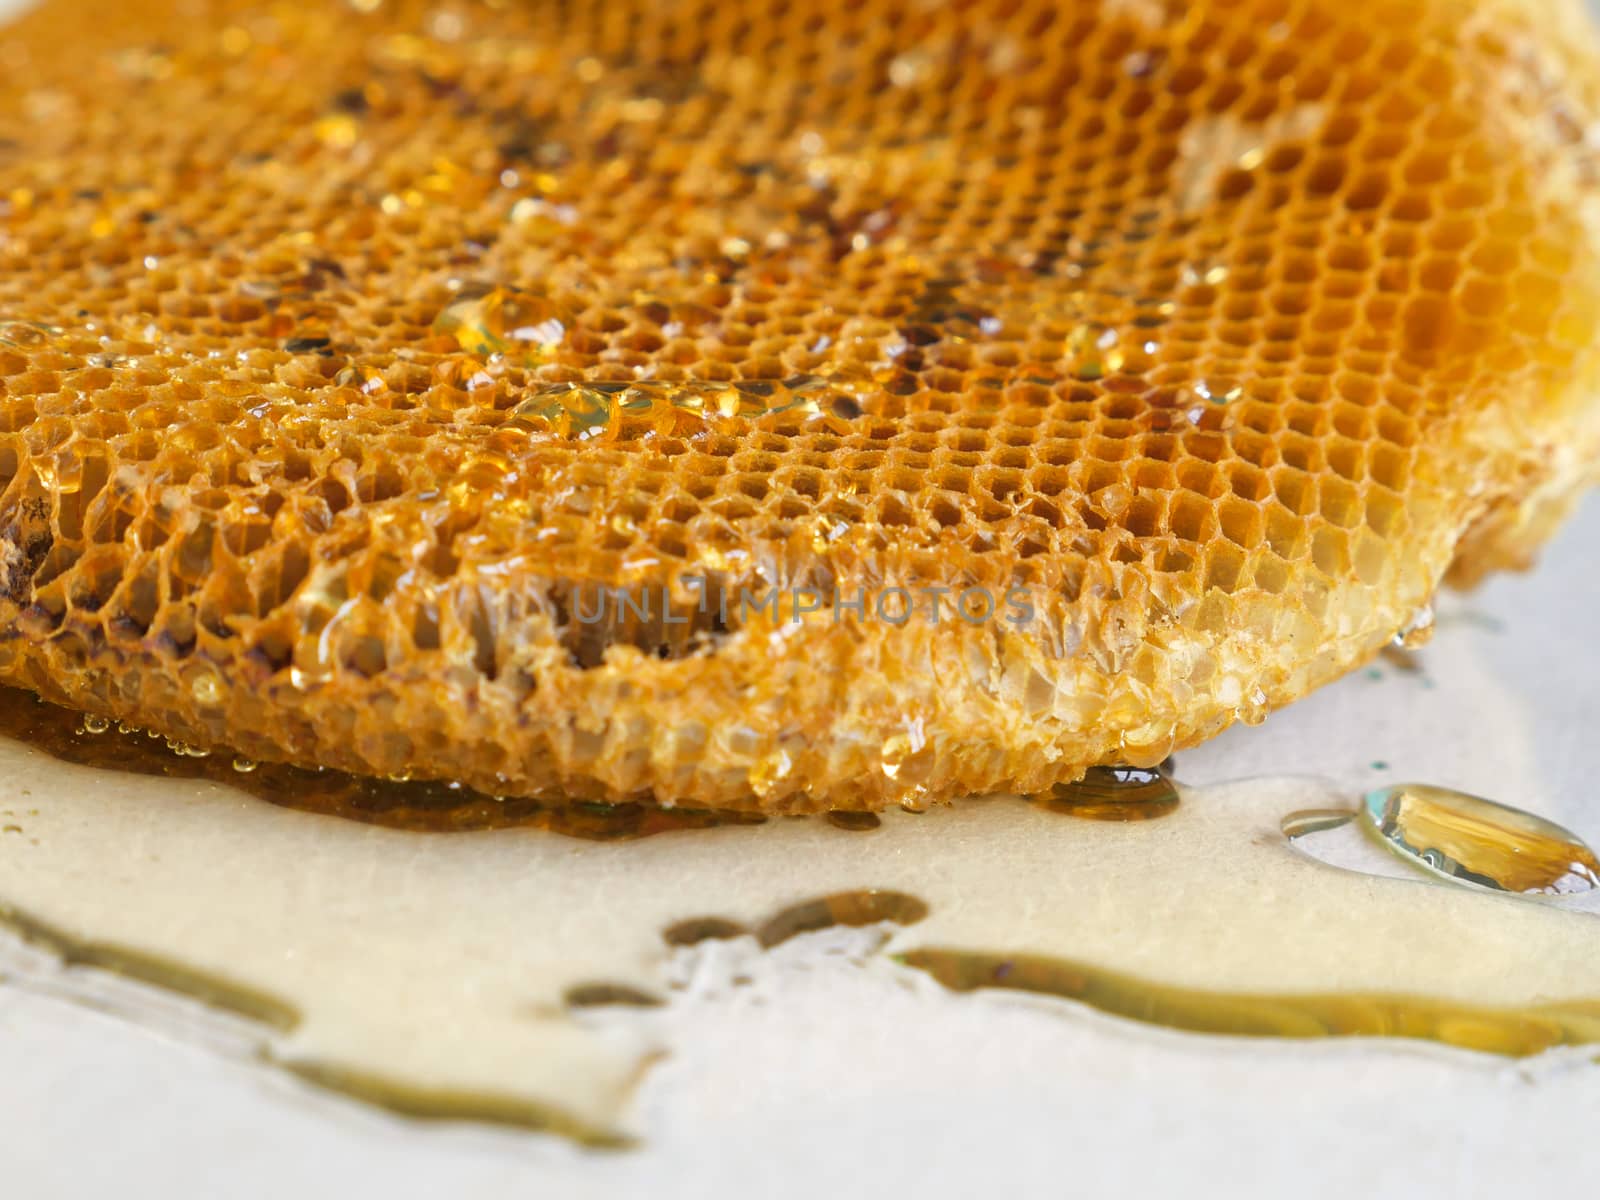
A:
(1114, 794)
(1479, 842)
(439, 975)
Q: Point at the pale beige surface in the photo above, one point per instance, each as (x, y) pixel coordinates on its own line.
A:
(440, 961)
(885, 1070)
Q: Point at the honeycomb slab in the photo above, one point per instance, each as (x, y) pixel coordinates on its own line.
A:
(547, 396)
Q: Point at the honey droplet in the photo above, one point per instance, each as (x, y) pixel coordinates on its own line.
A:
(1417, 631)
(338, 131)
(543, 216)
(206, 689)
(767, 776)
(1092, 352)
(904, 756)
(895, 751)
(570, 409)
(1480, 843)
(502, 320)
(1114, 794)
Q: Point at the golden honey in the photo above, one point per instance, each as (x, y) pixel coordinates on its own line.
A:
(1114, 794)
(1472, 840)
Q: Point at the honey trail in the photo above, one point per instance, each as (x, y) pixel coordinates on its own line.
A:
(1510, 1031)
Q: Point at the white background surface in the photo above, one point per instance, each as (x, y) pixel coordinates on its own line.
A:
(825, 1080)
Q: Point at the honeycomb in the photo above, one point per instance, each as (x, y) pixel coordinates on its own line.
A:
(355, 356)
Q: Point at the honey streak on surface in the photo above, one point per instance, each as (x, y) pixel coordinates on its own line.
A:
(410, 1098)
(1514, 1032)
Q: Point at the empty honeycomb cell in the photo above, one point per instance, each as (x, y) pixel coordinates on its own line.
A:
(331, 397)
